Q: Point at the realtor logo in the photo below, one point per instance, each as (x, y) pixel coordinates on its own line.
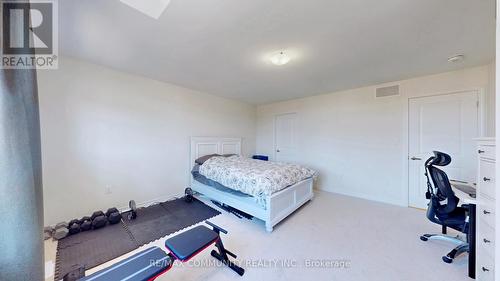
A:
(29, 34)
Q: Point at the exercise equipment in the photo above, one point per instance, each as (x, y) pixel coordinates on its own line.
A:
(222, 253)
(99, 221)
(239, 214)
(132, 214)
(190, 243)
(86, 225)
(153, 262)
(96, 214)
(47, 232)
(111, 210)
(113, 215)
(114, 218)
(188, 195)
(60, 231)
(143, 266)
(84, 219)
(74, 228)
(61, 224)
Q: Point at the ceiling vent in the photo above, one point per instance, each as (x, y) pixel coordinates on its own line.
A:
(387, 91)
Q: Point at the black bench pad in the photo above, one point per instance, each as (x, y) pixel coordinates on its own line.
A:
(187, 244)
(140, 267)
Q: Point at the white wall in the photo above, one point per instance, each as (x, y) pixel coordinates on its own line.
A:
(103, 128)
(359, 143)
(491, 111)
(497, 124)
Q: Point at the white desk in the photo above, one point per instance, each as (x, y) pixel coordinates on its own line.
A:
(464, 197)
(472, 202)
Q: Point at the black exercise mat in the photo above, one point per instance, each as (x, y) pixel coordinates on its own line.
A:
(92, 248)
(166, 218)
(95, 247)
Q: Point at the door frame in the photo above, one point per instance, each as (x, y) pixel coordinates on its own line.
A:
(274, 130)
(406, 127)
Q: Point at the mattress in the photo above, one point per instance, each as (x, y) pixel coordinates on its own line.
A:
(261, 202)
(204, 180)
(253, 177)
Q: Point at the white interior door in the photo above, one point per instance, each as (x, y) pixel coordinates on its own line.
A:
(285, 139)
(446, 123)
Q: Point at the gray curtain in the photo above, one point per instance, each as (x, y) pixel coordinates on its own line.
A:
(21, 204)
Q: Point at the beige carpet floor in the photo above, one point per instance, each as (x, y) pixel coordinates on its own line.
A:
(333, 237)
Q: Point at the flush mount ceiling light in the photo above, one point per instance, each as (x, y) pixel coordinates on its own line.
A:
(152, 8)
(280, 58)
(456, 58)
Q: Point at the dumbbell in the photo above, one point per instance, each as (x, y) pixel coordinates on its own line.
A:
(113, 215)
(84, 219)
(85, 223)
(61, 224)
(74, 227)
(111, 210)
(96, 214)
(99, 220)
(47, 232)
(188, 195)
(132, 215)
(60, 230)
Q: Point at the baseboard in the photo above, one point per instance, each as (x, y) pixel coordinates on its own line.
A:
(156, 200)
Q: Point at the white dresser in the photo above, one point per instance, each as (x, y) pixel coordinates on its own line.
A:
(485, 211)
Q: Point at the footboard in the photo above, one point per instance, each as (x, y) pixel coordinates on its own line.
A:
(285, 202)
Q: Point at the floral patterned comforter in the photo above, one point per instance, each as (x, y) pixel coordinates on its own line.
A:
(254, 177)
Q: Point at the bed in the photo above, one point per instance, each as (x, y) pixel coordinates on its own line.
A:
(276, 207)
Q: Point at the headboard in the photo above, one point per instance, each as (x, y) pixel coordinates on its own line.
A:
(201, 146)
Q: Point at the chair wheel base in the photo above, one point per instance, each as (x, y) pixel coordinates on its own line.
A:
(423, 238)
(447, 259)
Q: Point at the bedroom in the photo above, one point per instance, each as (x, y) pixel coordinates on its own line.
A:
(341, 88)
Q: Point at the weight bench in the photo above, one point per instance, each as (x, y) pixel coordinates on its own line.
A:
(183, 248)
(143, 266)
(153, 262)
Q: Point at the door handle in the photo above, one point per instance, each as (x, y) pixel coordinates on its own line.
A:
(480, 151)
(485, 269)
(486, 212)
(415, 158)
(486, 241)
(486, 179)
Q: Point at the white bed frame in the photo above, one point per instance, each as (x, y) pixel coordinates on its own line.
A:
(278, 206)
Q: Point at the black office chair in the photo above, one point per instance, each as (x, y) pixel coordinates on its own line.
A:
(443, 206)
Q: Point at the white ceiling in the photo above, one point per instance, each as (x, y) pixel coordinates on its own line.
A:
(220, 46)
